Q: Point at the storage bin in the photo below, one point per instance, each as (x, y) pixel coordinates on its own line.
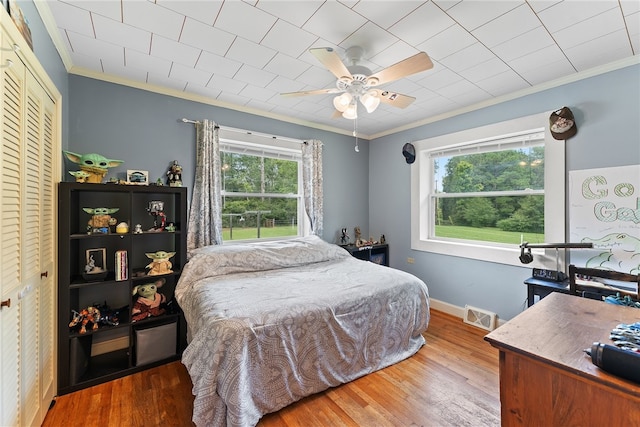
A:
(155, 343)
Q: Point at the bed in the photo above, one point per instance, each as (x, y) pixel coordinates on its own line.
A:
(272, 322)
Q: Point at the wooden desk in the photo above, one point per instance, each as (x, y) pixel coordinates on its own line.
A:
(545, 377)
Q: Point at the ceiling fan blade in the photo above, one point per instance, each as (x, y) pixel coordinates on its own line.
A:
(312, 92)
(412, 65)
(395, 99)
(331, 60)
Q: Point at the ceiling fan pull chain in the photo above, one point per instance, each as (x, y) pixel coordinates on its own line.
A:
(355, 134)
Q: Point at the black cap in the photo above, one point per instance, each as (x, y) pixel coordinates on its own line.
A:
(409, 152)
(562, 124)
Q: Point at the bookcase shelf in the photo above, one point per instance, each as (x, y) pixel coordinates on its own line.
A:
(113, 350)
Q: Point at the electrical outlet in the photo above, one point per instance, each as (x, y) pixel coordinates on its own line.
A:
(410, 260)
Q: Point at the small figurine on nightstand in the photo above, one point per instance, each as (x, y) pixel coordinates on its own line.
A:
(344, 237)
(174, 175)
(358, 236)
(383, 240)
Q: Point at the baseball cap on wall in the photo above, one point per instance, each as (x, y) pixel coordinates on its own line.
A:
(562, 124)
(409, 152)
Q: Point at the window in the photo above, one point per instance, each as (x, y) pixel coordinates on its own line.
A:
(261, 186)
(481, 192)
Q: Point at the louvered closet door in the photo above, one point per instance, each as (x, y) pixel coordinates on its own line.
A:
(10, 223)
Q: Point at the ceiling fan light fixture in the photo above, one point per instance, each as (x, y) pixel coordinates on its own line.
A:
(342, 102)
(370, 100)
(351, 112)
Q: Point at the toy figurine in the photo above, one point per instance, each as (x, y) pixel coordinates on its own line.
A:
(84, 317)
(156, 208)
(149, 301)
(137, 229)
(101, 219)
(344, 238)
(95, 165)
(174, 175)
(160, 263)
(81, 176)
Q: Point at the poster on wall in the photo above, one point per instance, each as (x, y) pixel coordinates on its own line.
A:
(604, 209)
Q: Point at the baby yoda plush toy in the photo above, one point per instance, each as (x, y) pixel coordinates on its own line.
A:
(149, 301)
(95, 165)
(101, 219)
(160, 263)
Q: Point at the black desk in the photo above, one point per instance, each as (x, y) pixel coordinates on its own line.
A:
(542, 288)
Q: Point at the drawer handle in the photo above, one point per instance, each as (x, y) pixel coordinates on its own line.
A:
(6, 303)
(45, 274)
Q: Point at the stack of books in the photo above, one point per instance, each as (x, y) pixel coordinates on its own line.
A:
(122, 266)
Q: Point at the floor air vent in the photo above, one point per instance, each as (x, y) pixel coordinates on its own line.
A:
(480, 318)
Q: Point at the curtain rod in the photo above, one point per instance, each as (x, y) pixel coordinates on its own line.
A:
(184, 120)
(248, 132)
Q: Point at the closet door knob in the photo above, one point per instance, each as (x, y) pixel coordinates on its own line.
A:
(6, 303)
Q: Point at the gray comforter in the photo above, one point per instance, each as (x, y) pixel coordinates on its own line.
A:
(273, 322)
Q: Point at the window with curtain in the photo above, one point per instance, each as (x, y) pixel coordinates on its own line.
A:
(480, 193)
(261, 187)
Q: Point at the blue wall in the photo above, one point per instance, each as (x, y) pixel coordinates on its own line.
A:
(607, 112)
(370, 189)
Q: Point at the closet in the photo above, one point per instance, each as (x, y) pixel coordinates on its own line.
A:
(30, 169)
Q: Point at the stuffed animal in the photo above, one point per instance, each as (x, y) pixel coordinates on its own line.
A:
(160, 263)
(149, 301)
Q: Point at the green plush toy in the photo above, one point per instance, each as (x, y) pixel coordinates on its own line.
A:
(149, 300)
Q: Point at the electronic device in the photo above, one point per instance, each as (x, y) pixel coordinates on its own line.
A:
(554, 275)
(619, 362)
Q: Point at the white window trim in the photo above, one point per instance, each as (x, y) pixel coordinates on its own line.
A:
(247, 142)
(554, 207)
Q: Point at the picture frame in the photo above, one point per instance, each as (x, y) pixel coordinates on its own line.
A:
(137, 177)
(97, 257)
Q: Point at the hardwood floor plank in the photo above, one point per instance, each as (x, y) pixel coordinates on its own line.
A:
(451, 381)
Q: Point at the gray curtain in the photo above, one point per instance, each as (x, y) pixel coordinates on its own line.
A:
(205, 214)
(312, 183)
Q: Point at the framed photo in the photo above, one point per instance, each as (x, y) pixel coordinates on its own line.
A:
(96, 260)
(137, 177)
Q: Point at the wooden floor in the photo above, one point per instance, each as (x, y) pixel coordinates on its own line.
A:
(451, 381)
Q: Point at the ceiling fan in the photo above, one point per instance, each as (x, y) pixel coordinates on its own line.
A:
(357, 82)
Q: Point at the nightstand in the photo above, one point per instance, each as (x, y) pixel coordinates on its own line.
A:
(378, 254)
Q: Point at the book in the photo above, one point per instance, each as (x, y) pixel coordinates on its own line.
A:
(122, 266)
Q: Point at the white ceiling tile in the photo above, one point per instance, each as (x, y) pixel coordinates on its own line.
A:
(503, 83)
(540, 5)
(282, 84)
(334, 22)
(202, 91)
(89, 62)
(484, 70)
(232, 98)
(188, 74)
(163, 81)
(317, 78)
(395, 53)
(468, 57)
(597, 26)
(295, 12)
(611, 47)
(508, 26)
(109, 9)
(371, 38)
(289, 39)
(524, 44)
(72, 18)
(286, 66)
(424, 23)
(449, 41)
(473, 14)
(174, 51)
(539, 67)
(89, 46)
(206, 37)
(203, 11)
(135, 59)
(153, 18)
(439, 79)
(250, 53)
(121, 34)
(218, 64)
(130, 73)
(255, 92)
(446, 4)
(248, 22)
(386, 13)
(567, 13)
(226, 84)
(630, 7)
(254, 76)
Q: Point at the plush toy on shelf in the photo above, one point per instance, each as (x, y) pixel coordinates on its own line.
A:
(149, 301)
(95, 166)
(160, 264)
